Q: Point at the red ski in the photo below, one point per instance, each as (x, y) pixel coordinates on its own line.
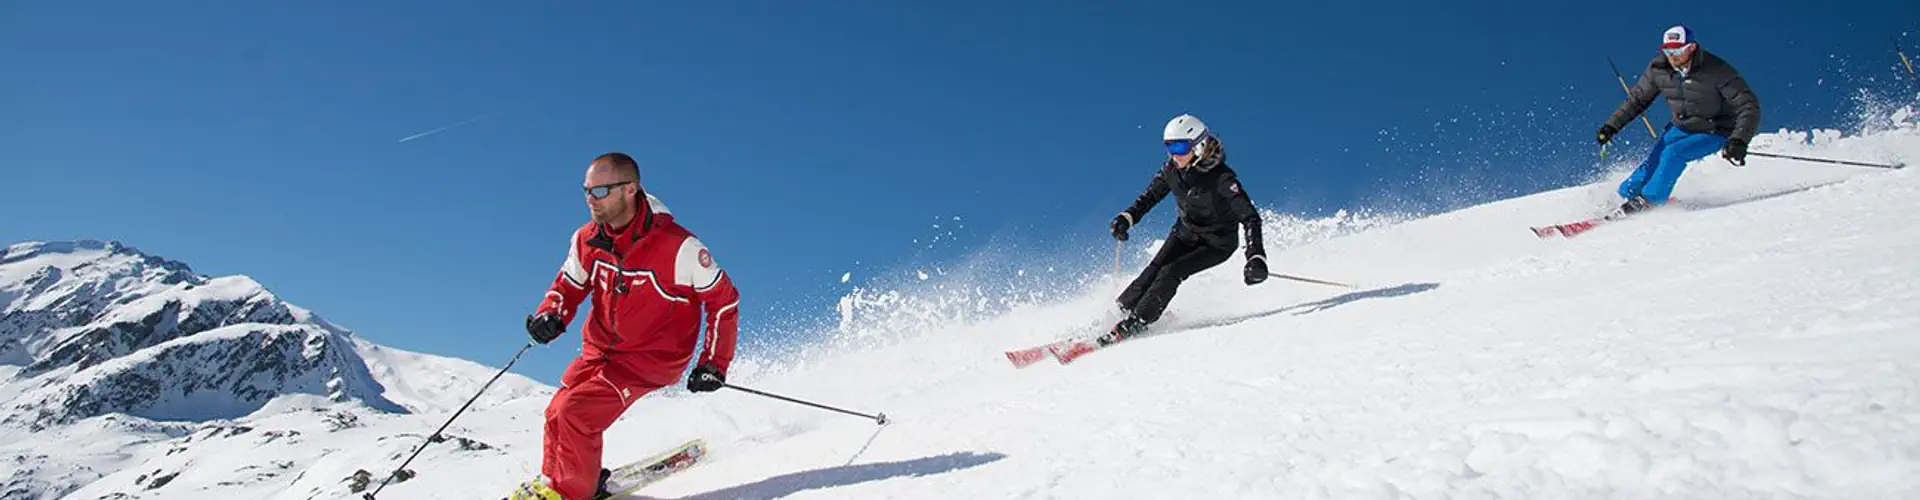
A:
(1023, 358)
(1068, 351)
(1569, 229)
(1572, 229)
(1062, 351)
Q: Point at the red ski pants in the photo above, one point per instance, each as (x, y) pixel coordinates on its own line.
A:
(593, 393)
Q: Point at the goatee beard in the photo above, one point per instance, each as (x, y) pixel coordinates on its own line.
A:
(606, 217)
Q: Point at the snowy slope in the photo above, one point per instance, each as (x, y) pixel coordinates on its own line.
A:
(109, 352)
(1756, 341)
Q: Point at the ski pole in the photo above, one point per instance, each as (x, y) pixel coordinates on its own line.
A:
(1903, 58)
(878, 419)
(443, 427)
(1623, 88)
(1309, 280)
(1824, 160)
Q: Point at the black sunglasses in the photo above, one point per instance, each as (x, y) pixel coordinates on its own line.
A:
(601, 191)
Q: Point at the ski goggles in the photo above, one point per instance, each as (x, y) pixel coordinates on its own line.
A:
(1179, 147)
(1674, 51)
(601, 191)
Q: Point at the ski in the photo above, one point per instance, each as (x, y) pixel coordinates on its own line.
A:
(1066, 352)
(633, 476)
(1062, 351)
(1022, 358)
(1570, 229)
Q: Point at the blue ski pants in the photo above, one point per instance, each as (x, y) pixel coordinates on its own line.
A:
(1655, 178)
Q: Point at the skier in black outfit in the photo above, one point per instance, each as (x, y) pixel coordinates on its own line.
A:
(1211, 202)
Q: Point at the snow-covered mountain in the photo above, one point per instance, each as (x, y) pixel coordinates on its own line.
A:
(97, 335)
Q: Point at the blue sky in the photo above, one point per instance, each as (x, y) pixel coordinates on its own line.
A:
(802, 140)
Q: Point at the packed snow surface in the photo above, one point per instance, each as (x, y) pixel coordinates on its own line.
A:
(1758, 339)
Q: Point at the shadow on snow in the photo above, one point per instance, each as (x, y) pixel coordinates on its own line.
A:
(846, 475)
(1316, 306)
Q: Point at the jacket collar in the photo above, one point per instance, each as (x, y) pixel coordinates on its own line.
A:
(606, 238)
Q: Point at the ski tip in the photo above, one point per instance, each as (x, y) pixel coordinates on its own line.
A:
(1025, 358)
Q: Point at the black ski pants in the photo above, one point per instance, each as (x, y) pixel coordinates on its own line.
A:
(1177, 260)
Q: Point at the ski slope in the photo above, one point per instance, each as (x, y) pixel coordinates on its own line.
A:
(1757, 339)
(1760, 339)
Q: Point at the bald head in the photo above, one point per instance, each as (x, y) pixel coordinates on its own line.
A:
(619, 164)
(617, 178)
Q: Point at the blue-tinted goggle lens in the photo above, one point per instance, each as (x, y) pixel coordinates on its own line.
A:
(1675, 51)
(601, 191)
(1179, 147)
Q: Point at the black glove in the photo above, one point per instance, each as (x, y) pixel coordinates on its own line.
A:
(1120, 225)
(545, 327)
(1256, 270)
(1606, 133)
(1736, 152)
(705, 378)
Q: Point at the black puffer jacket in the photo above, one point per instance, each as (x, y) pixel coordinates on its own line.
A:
(1710, 98)
(1211, 202)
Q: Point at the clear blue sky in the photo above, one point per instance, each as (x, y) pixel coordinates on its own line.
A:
(800, 139)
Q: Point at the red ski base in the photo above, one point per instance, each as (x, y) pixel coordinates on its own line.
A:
(1063, 352)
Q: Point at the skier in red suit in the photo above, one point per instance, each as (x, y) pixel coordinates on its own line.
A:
(652, 284)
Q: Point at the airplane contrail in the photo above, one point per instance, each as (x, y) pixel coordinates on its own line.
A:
(443, 129)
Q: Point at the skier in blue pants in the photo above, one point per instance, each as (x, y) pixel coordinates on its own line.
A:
(1653, 181)
(1713, 109)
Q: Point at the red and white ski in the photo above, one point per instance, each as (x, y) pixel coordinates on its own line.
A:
(1069, 351)
(1023, 358)
(1062, 351)
(1570, 229)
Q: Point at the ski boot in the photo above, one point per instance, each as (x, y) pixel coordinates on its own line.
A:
(600, 491)
(1123, 330)
(1633, 205)
(535, 489)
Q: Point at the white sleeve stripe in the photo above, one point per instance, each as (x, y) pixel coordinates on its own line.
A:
(571, 268)
(713, 327)
(574, 282)
(709, 285)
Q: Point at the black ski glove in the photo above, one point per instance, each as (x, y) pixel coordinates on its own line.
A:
(705, 378)
(1120, 225)
(1256, 270)
(545, 327)
(1736, 152)
(1606, 133)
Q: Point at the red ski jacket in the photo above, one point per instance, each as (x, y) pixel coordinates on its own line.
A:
(649, 282)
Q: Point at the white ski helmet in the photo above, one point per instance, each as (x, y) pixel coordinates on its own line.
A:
(1184, 127)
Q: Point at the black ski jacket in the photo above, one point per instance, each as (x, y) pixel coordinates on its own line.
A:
(1211, 202)
(1712, 97)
